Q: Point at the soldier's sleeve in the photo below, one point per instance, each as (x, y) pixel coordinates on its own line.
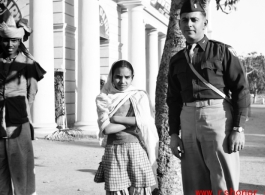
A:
(174, 102)
(236, 82)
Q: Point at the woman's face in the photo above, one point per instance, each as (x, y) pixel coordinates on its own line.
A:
(122, 78)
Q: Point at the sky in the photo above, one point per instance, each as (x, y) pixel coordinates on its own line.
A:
(243, 29)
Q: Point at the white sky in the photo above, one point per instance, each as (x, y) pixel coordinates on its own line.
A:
(243, 29)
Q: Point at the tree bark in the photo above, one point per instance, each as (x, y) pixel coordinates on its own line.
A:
(169, 173)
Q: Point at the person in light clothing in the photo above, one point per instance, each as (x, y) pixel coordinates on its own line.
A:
(132, 141)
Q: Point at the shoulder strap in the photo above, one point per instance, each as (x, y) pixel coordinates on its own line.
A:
(223, 54)
(206, 82)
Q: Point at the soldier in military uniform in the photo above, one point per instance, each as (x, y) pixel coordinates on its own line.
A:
(212, 128)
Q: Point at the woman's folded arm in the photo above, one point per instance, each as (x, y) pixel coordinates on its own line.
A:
(131, 121)
(113, 128)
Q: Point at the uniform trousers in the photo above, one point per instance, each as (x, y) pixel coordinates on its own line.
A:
(207, 163)
(17, 164)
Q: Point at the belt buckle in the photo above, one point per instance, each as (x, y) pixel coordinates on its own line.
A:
(203, 103)
(200, 104)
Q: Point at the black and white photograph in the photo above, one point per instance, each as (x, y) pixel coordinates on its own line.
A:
(132, 97)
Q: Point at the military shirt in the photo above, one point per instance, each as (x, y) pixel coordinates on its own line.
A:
(217, 63)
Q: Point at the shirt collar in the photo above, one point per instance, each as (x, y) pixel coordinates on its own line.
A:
(202, 43)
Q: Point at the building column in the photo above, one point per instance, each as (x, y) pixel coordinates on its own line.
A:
(88, 64)
(136, 43)
(124, 33)
(152, 67)
(43, 115)
(161, 45)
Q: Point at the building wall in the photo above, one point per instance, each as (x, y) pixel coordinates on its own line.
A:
(65, 27)
(110, 49)
(64, 50)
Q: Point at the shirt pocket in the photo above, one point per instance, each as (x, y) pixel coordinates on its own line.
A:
(214, 66)
(212, 70)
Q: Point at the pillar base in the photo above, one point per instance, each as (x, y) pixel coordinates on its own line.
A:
(41, 130)
(88, 128)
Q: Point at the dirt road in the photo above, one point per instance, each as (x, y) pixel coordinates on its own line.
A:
(67, 168)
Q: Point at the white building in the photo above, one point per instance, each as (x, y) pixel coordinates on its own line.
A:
(80, 39)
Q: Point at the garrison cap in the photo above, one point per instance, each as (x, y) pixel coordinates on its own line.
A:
(191, 6)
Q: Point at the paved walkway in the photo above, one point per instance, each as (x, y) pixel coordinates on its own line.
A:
(253, 155)
(68, 168)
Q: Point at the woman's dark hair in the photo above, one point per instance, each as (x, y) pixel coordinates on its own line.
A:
(120, 64)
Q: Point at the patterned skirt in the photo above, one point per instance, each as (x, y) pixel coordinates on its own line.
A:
(127, 165)
(131, 191)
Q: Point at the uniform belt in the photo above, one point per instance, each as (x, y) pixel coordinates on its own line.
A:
(203, 103)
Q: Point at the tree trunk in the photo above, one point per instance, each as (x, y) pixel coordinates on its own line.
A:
(169, 173)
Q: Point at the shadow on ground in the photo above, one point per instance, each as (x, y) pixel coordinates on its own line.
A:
(37, 165)
(85, 142)
(92, 171)
(259, 188)
(255, 133)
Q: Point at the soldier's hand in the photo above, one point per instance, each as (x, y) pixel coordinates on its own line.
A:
(236, 141)
(176, 145)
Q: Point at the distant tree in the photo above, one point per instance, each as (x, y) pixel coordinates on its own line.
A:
(255, 71)
(169, 174)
